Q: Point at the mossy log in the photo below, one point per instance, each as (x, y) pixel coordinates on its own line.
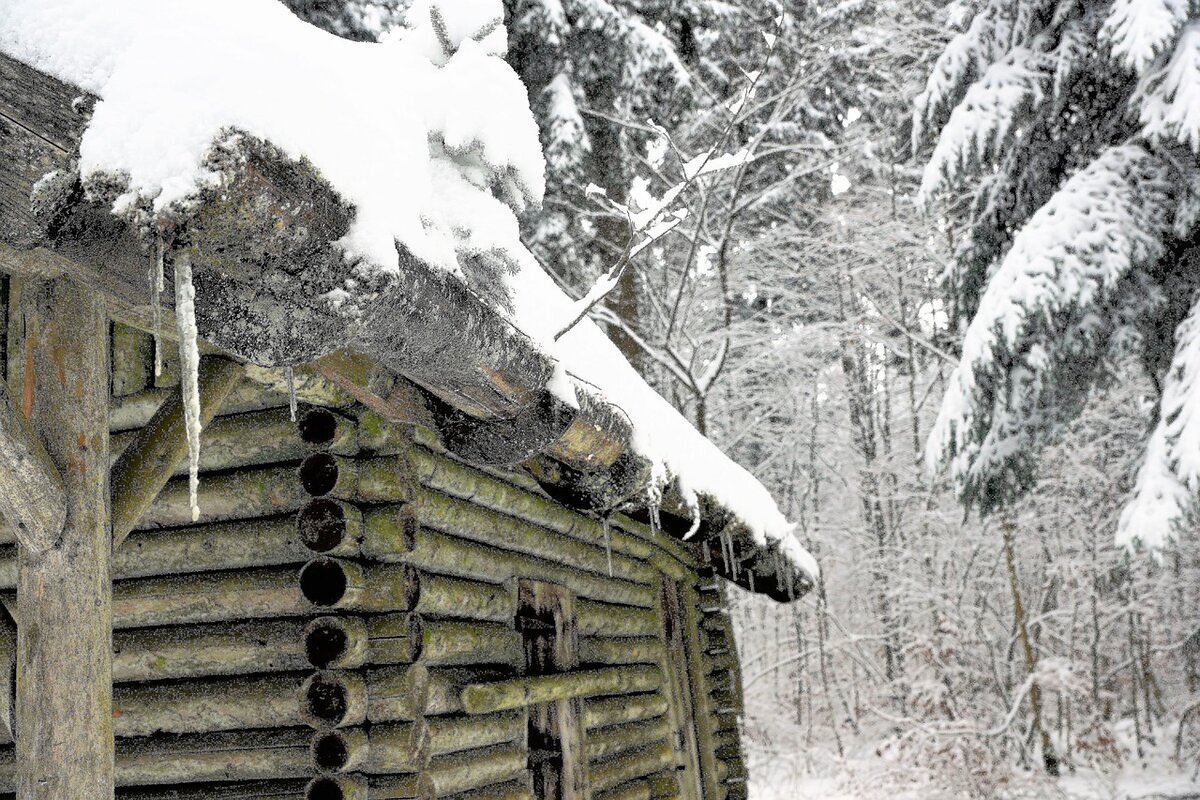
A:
(511, 790)
(397, 693)
(601, 712)
(442, 596)
(245, 494)
(133, 411)
(195, 651)
(462, 643)
(147, 462)
(661, 786)
(472, 769)
(452, 734)
(444, 474)
(215, 704)
(348, 642)
(603, 743)
(484, 698)
(211, 757)
(132, 359)
(208, 597)
(257, 438)
(386, 749)
(332, 527)
(382, 479)
(241, 544)
(331, 583)
(445, 684)
(374, 787)
(448, 515)
(631, 765)
(255, 790)
(604, 619)
(444, 554)
(613, 651)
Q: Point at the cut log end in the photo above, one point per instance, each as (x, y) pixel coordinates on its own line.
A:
(326, 702)
(319, 474)
(324, 582)
(318, 427)
(322, 525)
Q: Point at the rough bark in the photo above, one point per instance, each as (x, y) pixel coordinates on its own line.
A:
(32, 500)
(64, 637)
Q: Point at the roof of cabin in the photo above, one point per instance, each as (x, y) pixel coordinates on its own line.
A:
(357, 216)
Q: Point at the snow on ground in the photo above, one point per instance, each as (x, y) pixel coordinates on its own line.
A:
(419, 132)
(868, 773)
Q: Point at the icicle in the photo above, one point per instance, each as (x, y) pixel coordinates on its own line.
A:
(189, 371)
(608, 545)
(291, 383)
(157, 284)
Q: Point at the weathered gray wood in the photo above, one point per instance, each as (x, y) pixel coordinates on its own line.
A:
(151, 459)
(8, 678)
(198, 758)
(64, 641)
(31, 491)
(475, 768)
(215, 704)
(604, 711)
(192, 651)
(631, 765)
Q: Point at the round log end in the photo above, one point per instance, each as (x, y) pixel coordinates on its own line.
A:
(335, 642)
(322, 525)
(339, 751)
(326, 581)
(327, 787)
(331, 699)
(319, 474)
(317, 427)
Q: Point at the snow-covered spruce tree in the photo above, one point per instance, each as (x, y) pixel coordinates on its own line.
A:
(1065, 138)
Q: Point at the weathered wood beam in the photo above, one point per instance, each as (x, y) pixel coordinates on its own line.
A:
(64, 636)
(151, 459)
(31, 490)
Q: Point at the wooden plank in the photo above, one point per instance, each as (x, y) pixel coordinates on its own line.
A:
(64, 641)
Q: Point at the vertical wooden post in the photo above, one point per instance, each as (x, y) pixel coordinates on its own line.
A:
(64, 632)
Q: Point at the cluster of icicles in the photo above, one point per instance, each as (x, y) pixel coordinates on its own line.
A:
(189, 359)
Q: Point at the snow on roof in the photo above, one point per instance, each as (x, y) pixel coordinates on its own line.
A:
(419, 132)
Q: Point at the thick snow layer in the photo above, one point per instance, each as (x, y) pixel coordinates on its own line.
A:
(414, 132)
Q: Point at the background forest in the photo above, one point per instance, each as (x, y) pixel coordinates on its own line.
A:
(809, 311)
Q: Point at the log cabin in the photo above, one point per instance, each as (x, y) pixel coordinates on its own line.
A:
(416, 572)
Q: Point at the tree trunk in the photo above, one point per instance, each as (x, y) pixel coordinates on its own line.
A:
(1049, 757)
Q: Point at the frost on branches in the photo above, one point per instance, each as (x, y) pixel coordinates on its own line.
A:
(1074, 129)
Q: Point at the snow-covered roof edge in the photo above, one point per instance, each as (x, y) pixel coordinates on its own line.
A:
(421, 174)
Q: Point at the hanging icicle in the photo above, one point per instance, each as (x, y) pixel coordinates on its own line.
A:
(157, 285)
(189, 371)
(291, 386)
(608, 543)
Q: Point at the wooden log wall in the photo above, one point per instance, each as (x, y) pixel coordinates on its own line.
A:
(341, 622)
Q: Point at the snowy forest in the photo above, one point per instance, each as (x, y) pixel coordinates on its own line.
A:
(960, 237)
(941, 301)
(930, 271)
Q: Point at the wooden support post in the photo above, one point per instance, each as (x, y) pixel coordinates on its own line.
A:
(64, 633)
(151, 459)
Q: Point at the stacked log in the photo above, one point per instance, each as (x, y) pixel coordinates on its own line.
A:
(342, 621)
